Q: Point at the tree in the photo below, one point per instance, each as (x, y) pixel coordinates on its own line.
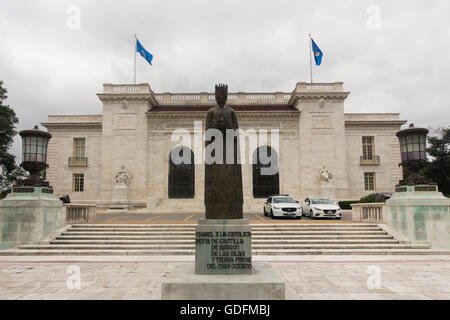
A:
(8, 121)
(438, 168)
(8, 180)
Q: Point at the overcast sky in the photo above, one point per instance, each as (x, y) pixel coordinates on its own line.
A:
(393, 56)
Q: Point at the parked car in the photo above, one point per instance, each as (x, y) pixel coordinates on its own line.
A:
(282, 206)
(320, 207)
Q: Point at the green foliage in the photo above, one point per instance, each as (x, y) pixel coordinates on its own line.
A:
(372, 198)
(346, 205)
(8, 168)
(8, 121)
(8, 180)
(438, 169)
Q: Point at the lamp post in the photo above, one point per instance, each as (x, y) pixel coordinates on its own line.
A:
(34, 156)
(413, 153)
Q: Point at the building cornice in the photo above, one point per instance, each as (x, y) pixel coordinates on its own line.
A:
(240, 114)
(83, 125)
(374, 122)
(312, 96)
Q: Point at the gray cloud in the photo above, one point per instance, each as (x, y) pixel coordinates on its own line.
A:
(251, 45)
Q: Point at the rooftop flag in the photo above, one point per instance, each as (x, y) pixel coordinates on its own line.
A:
(318, 54)
(144, 53)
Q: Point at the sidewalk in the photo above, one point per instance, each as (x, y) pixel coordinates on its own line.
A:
(307, 277)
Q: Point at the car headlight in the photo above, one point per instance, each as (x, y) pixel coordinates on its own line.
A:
(276, 207)
(318, 209)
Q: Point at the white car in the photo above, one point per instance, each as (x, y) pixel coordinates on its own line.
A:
(319, 207)
(282, 206)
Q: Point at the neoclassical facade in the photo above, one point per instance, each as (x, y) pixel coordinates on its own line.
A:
(122, 157)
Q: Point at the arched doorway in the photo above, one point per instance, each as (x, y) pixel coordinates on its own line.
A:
(181, 175)
(265, 182)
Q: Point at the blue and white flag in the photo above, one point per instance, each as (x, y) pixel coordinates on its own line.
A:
(318, 54)
(144, 53)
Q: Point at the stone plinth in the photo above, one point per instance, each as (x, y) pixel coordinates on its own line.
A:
(420, 215)
(327, 190)
(223, 246)
(264, 283)
(120, 197)
(29, 217)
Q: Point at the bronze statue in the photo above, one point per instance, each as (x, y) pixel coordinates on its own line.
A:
(223, 181)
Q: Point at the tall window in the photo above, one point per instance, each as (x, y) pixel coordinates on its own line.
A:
(369, 180)
(79, 148)
(78, 182)
(182, 176)
(265, 183)
(368, 148)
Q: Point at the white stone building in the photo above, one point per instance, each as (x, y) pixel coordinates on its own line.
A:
(121, 158)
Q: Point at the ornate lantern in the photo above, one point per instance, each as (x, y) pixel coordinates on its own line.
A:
(34, 155)
(413, 153)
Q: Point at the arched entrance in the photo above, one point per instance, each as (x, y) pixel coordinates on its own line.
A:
(181, 176)
(265, 183)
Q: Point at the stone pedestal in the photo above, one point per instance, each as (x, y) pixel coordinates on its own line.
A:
(327, 190)
(223, 246)
(421, 213)
(264, 283)
(223, 267)
(120, 197)
(29, 215)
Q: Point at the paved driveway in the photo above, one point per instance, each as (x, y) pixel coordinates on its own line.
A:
(123, 217)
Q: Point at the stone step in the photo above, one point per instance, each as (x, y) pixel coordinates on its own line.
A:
(193, 225)
(140, 230)
(192, 237)
(23, 252)
(186, 233)
(192, 246)
(254, 241)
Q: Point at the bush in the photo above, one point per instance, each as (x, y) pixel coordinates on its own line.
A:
(346, 205)
(371, 198)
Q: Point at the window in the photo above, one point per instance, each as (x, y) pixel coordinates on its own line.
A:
(182, 176)
(265, 184)
(368, 148)
(78, 182)
(369, 180)
(79, 148)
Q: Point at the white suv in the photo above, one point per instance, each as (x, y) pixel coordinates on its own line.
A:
(319, 207)
(282, 206)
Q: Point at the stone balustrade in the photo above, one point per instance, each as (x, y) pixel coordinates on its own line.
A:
(126, 88)
(233, 98)
(168, 98)
(79, 212)
(369, 212)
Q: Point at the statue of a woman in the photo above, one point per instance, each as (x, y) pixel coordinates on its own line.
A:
(223, 181)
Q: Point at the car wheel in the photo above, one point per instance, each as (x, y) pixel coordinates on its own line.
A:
(271, 213)
(338, 218)
(298, 217)
(265, 214)
(311, 216)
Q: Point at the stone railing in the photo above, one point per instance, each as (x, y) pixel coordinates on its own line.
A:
(319, 87)
(79, 212)
(233, 98)
(369, 212)
(126, 88)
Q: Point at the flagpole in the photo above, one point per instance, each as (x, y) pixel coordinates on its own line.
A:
(135, 47)
(310, 57)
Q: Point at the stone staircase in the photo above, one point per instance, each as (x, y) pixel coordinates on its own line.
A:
(267, 239)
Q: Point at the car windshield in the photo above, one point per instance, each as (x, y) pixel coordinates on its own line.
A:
(321, 201)
(283, 200)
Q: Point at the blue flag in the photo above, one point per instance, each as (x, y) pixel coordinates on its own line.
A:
(144, 53)
(318, 54)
